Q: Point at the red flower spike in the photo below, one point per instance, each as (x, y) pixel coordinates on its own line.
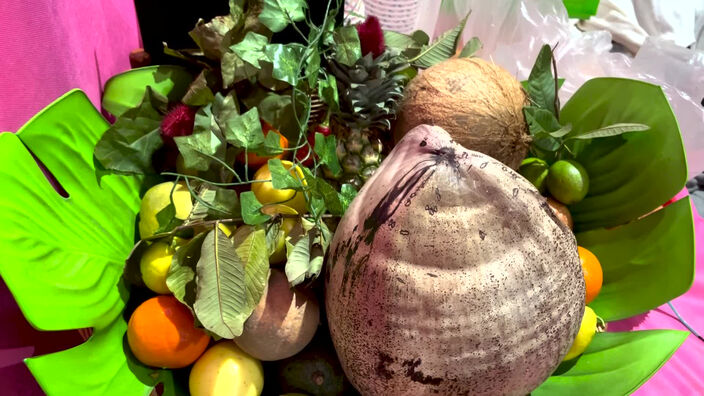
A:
(371, 36)
(177, 122)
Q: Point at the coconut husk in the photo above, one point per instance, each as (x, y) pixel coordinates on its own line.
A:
(479, 103)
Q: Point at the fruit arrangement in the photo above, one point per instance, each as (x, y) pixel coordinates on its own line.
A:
(260, 166)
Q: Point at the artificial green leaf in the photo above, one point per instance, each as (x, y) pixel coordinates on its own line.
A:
(541, 83)
(250, 245)
(282, 178)
(128, 145)
(582, 9)
(313, 68)
(199, 149)
(181, 279)
(167, 219)
(210, 36)
(252, 209)
(610, 130)
(64, 258)
(326, 149)
(614, 364)
(646, 263)
(330, 196)
(421, 37)
(277, 14)
(225, 203)
(199, 93)
(327, 91)
(441, 49)
(220, 303)
(234, 69)
(236, 7)
(245, 131)
(285, 59)
(306, 245)
(348, 49)
(224, 108)
(202, 203)
(630, 174)
(347, 194)
(251, 49)
(472, 46)
(399, 41)
(126, 90)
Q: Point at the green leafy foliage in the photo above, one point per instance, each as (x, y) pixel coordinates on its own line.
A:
(327, 91)
(285, 59)
(231, 277)
(167, 219)
(211, 37)
(472, 46)
(181, 279)
(245, 131)
(541, 85)
(610, 130)
(325, 148)
(277, 14)
(306, 246)
(128, 145)
(252, 209)
(441, 49)
(646, 263)
(282, 178)
(251, 49)
(347, 46)
(200, 92)
(614, 364)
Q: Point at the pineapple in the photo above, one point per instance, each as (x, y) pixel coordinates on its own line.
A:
(369, 93)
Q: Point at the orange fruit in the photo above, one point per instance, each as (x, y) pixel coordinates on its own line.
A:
(593, 276)
(161, 333)
(253, 160)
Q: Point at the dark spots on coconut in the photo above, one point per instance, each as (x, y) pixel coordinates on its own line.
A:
(423, 143)
(405, 232)
(431, 275)
(515, 192)
(369, 323)
(482, 235)
(400, 280)
(416, 375)
(382, 367)
(483, 165)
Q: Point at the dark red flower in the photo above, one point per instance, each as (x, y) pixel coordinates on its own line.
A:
(371, 36)
(177, 122)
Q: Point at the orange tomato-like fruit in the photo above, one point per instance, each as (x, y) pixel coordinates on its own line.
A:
(253, 160)
(593, 275)
(161, 333)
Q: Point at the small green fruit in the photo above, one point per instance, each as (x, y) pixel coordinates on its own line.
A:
(568, 181)
(535, 171)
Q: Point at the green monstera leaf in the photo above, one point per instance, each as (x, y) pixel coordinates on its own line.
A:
(614, 364)
(646, 263)
(126, 90)
(630, 174)
(63, 256)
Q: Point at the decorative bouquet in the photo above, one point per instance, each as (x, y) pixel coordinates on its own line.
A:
(420, 194)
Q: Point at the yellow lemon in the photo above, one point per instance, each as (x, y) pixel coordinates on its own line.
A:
(225, 369)
(267, 194)
(156, 199)
(154, 265)
(287, 224)
(586, 332)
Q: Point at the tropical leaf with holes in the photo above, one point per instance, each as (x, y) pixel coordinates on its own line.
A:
(63, 258)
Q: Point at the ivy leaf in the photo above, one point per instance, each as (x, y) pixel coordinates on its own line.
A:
(251, 49)
(347, 194)
(285, 59)
(282, 178)
(252, 209)
(231, 276)
(224, 108)
(348, 49)
(245, 131)
(441, 49)
(234, 69)
(198, 149)
(270, 147)
(326, 149)
(313, 68)
(472, 46)
(541, 83)
(277, 14)
(210, 36)
(181, 278)
(128, 145)
(277, 110)
(213, 202)
(167, 219)
(610, 130)
(306, 246)
(330, 196)
(199, 92)
(327, 91)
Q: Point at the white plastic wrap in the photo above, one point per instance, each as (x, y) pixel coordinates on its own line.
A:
(512, 32)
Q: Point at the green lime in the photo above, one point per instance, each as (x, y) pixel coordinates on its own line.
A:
(535, 171)
(568, 181)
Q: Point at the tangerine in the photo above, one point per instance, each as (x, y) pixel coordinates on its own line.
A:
(161, 333)
(253, 160)
(593, 275)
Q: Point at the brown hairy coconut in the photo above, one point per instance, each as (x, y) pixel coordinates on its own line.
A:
(479, 103)
(449, 274)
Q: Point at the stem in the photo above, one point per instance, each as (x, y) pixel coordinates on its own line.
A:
(557, 85)
(684, 322)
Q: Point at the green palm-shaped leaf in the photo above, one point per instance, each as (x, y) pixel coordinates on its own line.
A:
(63, 257)
(614, 364)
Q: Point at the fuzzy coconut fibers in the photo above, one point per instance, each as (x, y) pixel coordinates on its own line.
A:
(479, 103)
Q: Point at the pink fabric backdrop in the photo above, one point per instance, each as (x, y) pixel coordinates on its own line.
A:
(51, 46)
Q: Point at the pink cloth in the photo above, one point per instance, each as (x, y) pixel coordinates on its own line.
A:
(683, 374)
(49, 47)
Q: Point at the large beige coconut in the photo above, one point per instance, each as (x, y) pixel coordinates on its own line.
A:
(479, 103)
(449, 274)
